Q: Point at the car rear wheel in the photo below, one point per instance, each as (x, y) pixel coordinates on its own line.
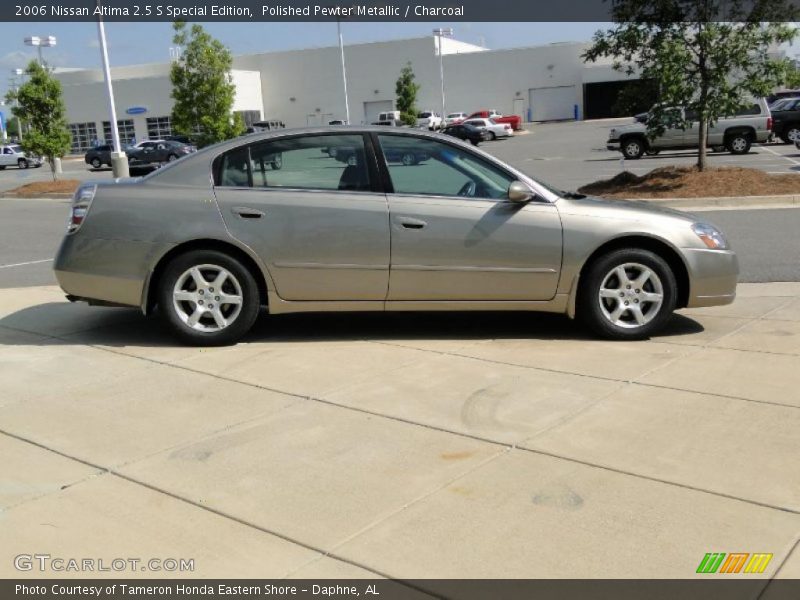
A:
(277, 162)
(627, 294)
(738, 143)
(208, 298)
(96, 163)
(22, 163)
(492, 135)
(633, 148)
(172, 157)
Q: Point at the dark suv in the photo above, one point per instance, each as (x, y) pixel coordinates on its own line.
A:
(99, 156)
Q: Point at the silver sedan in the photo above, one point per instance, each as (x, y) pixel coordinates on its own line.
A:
(367, 219)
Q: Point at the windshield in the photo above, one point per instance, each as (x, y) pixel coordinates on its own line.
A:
(16, 149)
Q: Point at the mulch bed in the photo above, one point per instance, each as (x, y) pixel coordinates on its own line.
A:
(688, 182)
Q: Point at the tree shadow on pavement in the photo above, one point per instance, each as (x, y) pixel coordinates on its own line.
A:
(59, 323)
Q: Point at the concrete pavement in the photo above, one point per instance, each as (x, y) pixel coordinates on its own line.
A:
(404, 445)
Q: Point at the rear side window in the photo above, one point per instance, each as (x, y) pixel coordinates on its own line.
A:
(752, 109)
(323, 162)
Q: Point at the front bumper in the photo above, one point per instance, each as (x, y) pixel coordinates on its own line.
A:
(613, 145)
(713, 275)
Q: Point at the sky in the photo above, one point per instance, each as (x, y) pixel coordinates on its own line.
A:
(135, 43)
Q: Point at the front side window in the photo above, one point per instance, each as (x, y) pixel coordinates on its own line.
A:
(431, 168)
(323, 162)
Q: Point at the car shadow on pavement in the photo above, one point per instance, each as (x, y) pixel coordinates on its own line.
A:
(58, 323)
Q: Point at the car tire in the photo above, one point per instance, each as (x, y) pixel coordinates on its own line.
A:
(22, 163)
(493, 135)
(738, 143)
(632, 148)
(607, 301)
(180, 296)
(474, 142)
(96, 163)
(277, 163)
(791, 135)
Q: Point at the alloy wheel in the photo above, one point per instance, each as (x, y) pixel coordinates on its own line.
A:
(207, 298)
(631, 295)
(739, 144)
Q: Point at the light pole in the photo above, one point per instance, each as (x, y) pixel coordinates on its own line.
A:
(119, 162)
(439, 32)
(344, 72)
(39, 42)
(21, 74)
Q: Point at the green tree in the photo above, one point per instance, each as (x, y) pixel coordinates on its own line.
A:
(406, 90)
(709, 56)
(39, 103)
(202, 87)
(792, 80)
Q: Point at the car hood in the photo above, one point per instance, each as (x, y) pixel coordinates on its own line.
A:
(615, 132)
(630, 210)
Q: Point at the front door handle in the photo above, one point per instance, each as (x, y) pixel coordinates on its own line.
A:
(247, 213)
(409, 223)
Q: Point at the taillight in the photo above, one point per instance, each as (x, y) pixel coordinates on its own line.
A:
(769, 123)
(81, 202)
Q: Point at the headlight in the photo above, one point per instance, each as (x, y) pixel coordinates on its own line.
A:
(711, 236)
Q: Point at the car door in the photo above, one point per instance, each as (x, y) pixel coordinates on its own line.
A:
(7, 157)
(319, 220)
(673, 136)
(456, 236)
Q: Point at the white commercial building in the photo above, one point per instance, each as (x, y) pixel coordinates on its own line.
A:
(304, 87)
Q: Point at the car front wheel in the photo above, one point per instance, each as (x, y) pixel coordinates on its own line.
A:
(22, 163)
(628, 294)
(208, 298)
(633, 148)
(96, 163)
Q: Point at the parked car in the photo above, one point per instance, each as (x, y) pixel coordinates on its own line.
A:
(464, 232)
(786, 120)
(782, 94)
(782, 103)
(495, 129)
(337, 122)
(428, 119)
(736, 133)
(12, 155)
(183, 139)
(99, 156)
(470, 133)
(149, 153)
(455, 118)
(514, 120)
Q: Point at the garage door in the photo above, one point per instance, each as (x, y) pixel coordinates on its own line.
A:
(373, 109)
(552, 103)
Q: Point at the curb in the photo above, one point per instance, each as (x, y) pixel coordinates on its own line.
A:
(741, 202)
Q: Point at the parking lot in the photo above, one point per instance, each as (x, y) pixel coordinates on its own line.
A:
(468, 445)
(567, 155)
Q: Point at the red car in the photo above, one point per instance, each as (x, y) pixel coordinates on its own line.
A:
(514, 120)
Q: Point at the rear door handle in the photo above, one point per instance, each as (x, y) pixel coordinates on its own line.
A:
(247, 213)
(409, 223)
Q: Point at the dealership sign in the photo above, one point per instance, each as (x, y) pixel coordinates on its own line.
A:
(136, 110)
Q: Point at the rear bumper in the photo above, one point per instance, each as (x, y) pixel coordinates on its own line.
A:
(114, 271)
(713, 275)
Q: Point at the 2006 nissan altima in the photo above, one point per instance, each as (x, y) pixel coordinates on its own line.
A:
(363, 219)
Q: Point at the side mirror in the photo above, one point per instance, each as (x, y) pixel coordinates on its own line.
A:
(519, 192)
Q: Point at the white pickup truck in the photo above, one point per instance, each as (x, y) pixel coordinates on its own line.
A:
(12, 155)
(427, 119)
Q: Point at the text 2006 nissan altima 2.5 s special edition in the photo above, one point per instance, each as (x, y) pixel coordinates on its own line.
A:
(362, 219)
